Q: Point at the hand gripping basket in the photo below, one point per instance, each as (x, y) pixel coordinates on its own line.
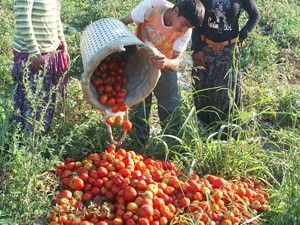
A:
(107, 36)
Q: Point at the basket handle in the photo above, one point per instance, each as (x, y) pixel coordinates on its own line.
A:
(108, 127)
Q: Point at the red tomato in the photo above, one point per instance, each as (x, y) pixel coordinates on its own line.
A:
(123, 107)
(84, 176)
(76, 183)
(127, 126)
(87, 197)
(111, 102)
(217, 194)
(117, 221)
(111, 148)
(130, 194)
(117, 87)
(97, 82)
(108, 89)
(143, 221)
(130, 221)
(95, 191)
(163, 221)
(102, 171)
(115, 108)
(103, 99)
(122, 94)
(66, 194)
(146, 211)
(110, 120)
(132, 207)
(184, 202)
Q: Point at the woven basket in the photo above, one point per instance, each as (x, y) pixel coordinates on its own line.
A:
(107, 36)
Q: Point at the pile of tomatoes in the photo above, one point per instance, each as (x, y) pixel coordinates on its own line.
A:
(118, 187)
(109, 81)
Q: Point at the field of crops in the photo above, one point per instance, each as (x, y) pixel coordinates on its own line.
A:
(251, 176)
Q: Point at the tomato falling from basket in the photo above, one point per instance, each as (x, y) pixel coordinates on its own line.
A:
(110, 81)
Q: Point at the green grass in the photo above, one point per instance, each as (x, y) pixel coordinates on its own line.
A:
(266, 127)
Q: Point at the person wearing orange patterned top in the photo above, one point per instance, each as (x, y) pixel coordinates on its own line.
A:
(168, 27)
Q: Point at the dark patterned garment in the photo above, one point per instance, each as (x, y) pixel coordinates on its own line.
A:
(26, 85)
(221, 21)
(218, 86)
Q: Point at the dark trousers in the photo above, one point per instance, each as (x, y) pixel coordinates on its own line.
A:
(167, 95)
(217, 87)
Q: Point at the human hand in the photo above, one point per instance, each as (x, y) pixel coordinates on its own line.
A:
(216, 47)
(37, 62)
(65, 50)
(241, 42)
(199, 59)
(159, 61)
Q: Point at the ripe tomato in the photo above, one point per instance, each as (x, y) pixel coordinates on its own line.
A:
(111, 102)
(122, 94)
(143, 221)
(103, 99)
(66, 194)
(76, 183)
(115, 108)
(226, 222)
(130, 221)
(95, 191)
(97, 82)
(123, 107)
(117, 87)
(194, 186)
(117, 221)
(146, 211)
(198, 196)
(163, 220)
(127, 126)
(110, 120)
(87, 197)
(108, 89)
(217, 194)
(132, 207)
(102, 171)
(130, 194)
(184, 202)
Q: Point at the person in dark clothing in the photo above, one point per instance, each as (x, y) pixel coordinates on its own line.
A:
(215, 47)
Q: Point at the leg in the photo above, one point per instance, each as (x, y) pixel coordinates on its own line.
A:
(22, 108)
(49, 100)
(214, 86)
(140, 116)
(224, 83)
(201, 100)
(167, 94)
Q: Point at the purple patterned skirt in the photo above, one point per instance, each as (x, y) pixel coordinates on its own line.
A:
(32, 103)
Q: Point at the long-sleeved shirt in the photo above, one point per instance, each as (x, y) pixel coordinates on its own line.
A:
(38, 26)
(221, 21)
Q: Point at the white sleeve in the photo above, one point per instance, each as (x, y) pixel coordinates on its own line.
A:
(139, 12)
(181, 43)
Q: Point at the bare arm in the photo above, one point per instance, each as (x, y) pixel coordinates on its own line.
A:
(162, 62)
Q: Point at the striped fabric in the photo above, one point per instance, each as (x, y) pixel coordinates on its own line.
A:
(38, 26)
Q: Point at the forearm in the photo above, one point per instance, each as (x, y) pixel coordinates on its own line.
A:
(254, 16)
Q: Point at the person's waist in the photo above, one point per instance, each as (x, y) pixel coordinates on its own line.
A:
(208, 41)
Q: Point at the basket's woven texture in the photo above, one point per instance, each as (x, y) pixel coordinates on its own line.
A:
(107, 36)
